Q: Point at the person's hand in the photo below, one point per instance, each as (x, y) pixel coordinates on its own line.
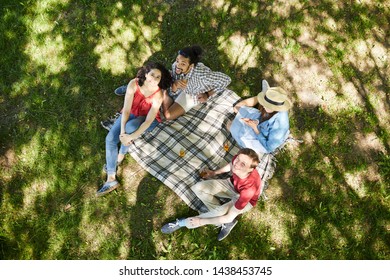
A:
(179, 84)
(251, 123)
(126, 139)
(207, 173)
(202, 97)
(194, 222)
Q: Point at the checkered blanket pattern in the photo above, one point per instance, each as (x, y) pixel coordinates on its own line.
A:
(201, 133)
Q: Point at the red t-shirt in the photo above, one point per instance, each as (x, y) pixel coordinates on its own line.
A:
(141, 104)
(248, 188)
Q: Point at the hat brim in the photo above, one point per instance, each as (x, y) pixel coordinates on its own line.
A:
(285, 107)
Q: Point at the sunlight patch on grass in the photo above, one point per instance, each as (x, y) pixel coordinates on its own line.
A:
(360, 56)
(379, 53)
(43, 48)
(30, 151)
(114, 60)
(378, 99)
(339, 240)
(116, 48)
(124, 249)
(312, 85)
(318, 86)
(21, 87)
(369, 142)
(275, 219)
(237, 253)
(41, 24)
(56, 243)
(45, 5)
(355, 181)
(119, 5)
(37, 188)
(218, 4)
(94, 233)
(284, 8)
(359, 230)
(311, 81)
(309, 137)
(331, 24)
(381, 247)
(48, 53)
(314, 41)
(240, 52)
(352, 95)
(306, 228)
(27, 246)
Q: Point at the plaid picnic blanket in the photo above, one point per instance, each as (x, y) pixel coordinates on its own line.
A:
(175, 151)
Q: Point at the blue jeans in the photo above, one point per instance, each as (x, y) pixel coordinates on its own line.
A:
(112, 139)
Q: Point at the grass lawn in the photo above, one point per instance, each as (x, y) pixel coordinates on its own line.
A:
(61, 61)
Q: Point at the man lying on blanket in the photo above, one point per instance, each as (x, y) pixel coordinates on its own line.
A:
(193, 83)
(242, 188)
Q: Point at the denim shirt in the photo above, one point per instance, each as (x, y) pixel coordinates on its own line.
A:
(273, 132)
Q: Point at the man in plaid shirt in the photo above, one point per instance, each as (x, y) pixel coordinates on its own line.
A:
(193, 83)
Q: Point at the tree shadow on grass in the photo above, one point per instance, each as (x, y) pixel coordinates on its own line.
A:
(333, 214)
(147, 214)
(46, 113)
(53, 108)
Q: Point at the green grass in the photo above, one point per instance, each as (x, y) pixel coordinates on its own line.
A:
(61, 61)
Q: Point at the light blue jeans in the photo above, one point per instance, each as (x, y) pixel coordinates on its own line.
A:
(112, 139)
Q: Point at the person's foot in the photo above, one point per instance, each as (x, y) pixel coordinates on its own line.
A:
(226, 229)
(170, 227)
(107, 124)
(120, 91)
(120, 159)
(107, 187)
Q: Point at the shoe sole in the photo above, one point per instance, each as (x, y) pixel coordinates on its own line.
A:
(107, 191)
(104, 126)
(120, 93)
(170, 230)
(228, 232)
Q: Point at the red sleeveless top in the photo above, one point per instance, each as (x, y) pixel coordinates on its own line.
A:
(141, 104)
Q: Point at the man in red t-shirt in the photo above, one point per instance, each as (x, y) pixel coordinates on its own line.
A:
(242, 188)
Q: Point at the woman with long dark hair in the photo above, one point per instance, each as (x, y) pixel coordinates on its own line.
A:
(140, 113)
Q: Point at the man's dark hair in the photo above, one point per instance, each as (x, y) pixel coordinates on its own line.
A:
(194, 53)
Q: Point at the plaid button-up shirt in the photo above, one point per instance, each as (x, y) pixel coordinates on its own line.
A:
(200, 79)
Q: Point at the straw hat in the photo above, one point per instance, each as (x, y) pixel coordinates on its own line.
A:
(274, 98)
